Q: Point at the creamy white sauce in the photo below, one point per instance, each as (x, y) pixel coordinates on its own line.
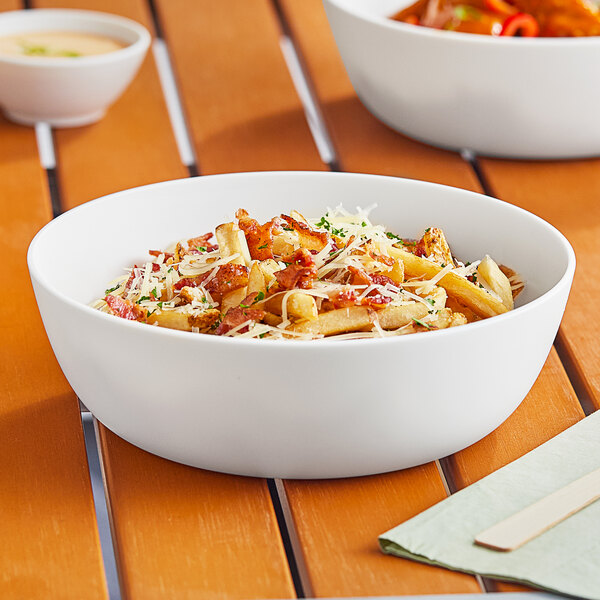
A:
(57, 44)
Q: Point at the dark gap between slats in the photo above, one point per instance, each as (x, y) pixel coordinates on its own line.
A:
(447, 473)
(574, 374)
(285, 537)
(286, 31)
(157, 26)
(54, 190)
(474, 162)
(193, 169)
(101, 507)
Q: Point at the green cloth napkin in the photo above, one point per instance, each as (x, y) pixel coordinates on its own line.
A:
(564, 559)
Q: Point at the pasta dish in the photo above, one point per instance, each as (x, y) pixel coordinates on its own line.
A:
(522, 18)
(340, 276)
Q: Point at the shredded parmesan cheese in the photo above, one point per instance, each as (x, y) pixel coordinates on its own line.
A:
(348, 261)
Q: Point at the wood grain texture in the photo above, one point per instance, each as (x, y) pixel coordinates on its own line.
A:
(363, 144)
(179, 532)
(134, 144)
(186, 533)
(240, 102)
(50, 546)
(566, 194)
(338, 521)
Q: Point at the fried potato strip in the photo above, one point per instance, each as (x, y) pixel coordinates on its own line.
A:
(299, 305)
(231, 240)
(477, 299)
(341, 320)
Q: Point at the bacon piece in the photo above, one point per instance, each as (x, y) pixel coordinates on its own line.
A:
(258, 237)
(193, 244)
(300, 273)
(131, 278)
(125, 308)
(302, 257)
(229, 277)
(250, 299)
(201, 242)
(379, 279)
(375, 300)
(236, 316)
(190, 281)
(360, 277)
(346, 298)
(420, 248)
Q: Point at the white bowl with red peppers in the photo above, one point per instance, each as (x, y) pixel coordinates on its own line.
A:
(518, 97)
(296, 408)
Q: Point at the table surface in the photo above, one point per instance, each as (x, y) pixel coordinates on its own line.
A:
(180, 532)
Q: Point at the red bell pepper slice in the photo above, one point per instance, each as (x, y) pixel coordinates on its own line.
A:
(522, 24)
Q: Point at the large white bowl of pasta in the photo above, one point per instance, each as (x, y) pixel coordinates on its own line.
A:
(280, 392)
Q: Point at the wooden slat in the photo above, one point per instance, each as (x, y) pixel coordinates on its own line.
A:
(337, 524)
(50, 546)
(179, 532)
(133, 145)
(236, 89)
(565, 194)
(363, 144)
(202, 534)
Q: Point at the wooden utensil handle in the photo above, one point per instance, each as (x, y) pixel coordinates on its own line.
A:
(523, 526)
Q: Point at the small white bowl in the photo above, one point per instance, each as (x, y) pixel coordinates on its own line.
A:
(68, 92)
(510, 97)
(299, 409)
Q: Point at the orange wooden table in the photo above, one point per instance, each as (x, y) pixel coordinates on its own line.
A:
(179, 532)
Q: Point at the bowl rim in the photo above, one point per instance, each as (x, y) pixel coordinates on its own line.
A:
(467, 38)
(139, 46)
(496, 321)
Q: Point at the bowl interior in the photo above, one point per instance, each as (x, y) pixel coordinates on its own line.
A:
(77, 254)
(24, 21)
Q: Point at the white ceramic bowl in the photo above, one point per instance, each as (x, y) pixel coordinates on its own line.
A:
(296, 409)
(512, 97)
(68, 92)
